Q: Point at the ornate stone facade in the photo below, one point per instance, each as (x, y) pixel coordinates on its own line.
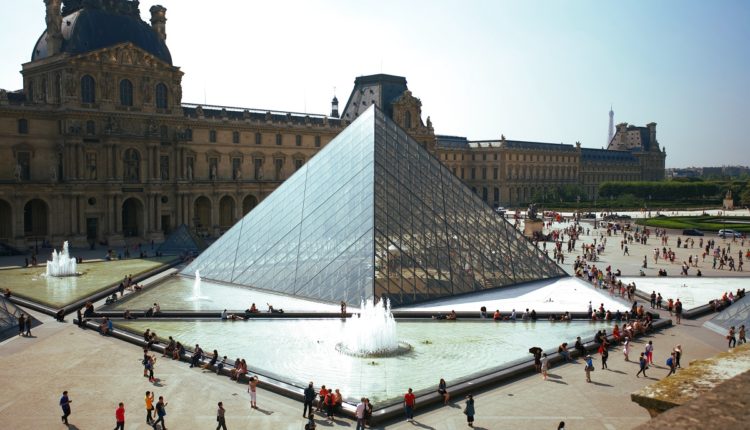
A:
(99, 146)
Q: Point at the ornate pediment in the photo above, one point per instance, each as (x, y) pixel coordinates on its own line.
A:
(126, 54)
(212, 153)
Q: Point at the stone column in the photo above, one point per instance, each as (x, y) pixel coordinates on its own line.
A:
(118, 214)
(157, 174)
(158, 213)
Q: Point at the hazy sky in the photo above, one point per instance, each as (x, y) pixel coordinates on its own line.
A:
(531, 70)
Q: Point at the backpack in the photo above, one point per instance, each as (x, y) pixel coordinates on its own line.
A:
(669, 361)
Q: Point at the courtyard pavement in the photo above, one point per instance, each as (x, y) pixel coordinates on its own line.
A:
(101, 371)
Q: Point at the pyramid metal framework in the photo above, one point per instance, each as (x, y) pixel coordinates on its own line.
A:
(182, 240)
(373, 214)
(9, 314)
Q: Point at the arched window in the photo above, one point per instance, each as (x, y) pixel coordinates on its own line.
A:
(88, 89)
(126, 93)
(131, 166)
(161, 96)
(407, 120)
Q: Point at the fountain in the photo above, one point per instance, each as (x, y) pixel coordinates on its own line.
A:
(62, 263)
(372, 332)
(197, 288)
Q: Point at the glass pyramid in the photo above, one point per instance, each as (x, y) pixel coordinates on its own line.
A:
(734, 316)
(182, 240)
(373, 214)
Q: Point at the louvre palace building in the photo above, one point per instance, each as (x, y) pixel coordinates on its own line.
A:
(99, 147)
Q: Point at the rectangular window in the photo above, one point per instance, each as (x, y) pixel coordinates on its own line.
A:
(164, 133)
(212, 136)
(454, 171)
(454, 156)
(484, 173)
(494, 173)
(278, 138)
(235, 137)
(462, 173)
(23, 126)
(164, 167)
(473, 172)
(189, 134)
(317, 141)
(91, 165)
(484, 157)
(484, 194)
(495, 156)
(258, 138)
(298, 163)
(298, 140)
(496, 195)
(23, 167)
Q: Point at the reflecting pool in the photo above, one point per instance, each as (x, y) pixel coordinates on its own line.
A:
(177, 294)
(33, 284)
(298, 351)
(692, 291)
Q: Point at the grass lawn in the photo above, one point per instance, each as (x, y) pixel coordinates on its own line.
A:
(710, 225)
(31, 282)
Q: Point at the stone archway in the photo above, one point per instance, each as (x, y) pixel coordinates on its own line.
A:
(202, 219)
(35, 218)
(132, 218)
(226, 212)
(248, 204)
(6, 221)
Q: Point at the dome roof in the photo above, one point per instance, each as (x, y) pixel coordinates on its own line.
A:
(90, 29)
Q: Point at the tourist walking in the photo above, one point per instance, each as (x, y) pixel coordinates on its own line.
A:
(65, 405)
(120, 417)
(650, 352)
(221, 421)
(360, 414)
(443, 391)
(410, 403)
(678, 311)
(643, 366)
(469, 410)
(677, 355)
(149, 400)
(589, 367)
(309, 399)
(161, 412)
(28, 325)
(672, 364)
(731, 337)
(742, 334)
(605, 356)
(251, 388)
(545, 366)
(626, 349)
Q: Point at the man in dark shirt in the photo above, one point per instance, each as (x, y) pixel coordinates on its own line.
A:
(65, 405)
(309, 398)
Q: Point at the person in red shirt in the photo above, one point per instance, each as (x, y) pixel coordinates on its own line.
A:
(120, 417)
(322, 393)
(330, 401)
(409, 403)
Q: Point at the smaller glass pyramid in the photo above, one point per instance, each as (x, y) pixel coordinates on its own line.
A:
(9, 314)
(373, 215)
(182, 241)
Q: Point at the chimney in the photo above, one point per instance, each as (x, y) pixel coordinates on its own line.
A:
(652, 135)
(54, 26)
(159, 20)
